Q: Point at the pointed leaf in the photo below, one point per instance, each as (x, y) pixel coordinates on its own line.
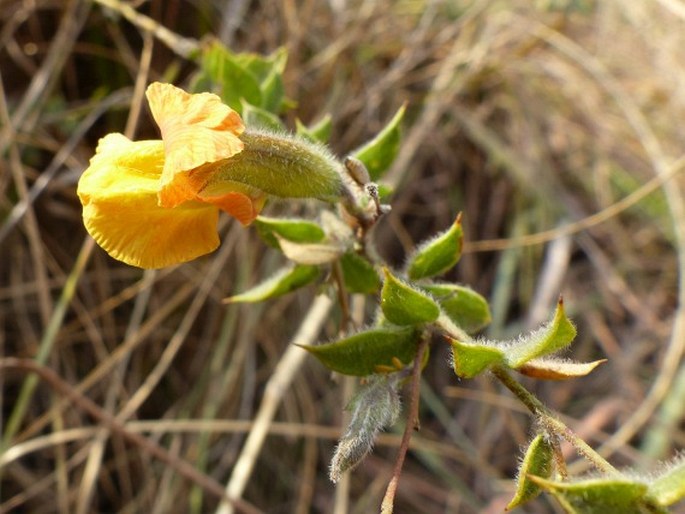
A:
(282, 282)
(466, 308)
(557, 369)
(379, 153)
(361, 354)
(359, 274)
(292, 229)
(404, 305)
(538, 461)
(437, 255)
(600, 496)
(669, 487)
(375, 407)
(471, 359)
(319, 132)
(550, 338)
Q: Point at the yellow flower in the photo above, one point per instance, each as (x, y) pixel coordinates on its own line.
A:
(153, 203)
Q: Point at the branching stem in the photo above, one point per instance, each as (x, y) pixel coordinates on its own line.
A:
(551, 423)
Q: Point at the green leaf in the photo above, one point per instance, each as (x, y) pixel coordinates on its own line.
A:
(669, 487)
(295, 230)
(320, 132)
(437, 255)
(462, 305)
(282, 282)
(601, 496)
(236, 81)
(359, 274)
(256, 117)
(378, 154)
(366, 352)
(471, 359)
(550, 338)
(374, 407)
(538, 461)
(404, 305)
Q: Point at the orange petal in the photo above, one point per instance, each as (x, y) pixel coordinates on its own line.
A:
(196, 129)
(119, 196)
(242, 202)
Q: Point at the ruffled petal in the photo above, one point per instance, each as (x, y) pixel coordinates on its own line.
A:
(119, 196)
(196, 129)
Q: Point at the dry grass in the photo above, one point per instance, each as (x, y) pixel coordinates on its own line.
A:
(525, 118)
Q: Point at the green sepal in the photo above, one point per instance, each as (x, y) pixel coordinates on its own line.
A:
(295, 230)
(471, 359)
(404, 305)
(462, 305)
(320, 132)
(550, 338)
(538, 461)
(257, 117)
(367, 352)
(601, 496)
(283, 165)
(437, 255)
(359, 274)
(669, 487)
(378, 154)
(282, 282)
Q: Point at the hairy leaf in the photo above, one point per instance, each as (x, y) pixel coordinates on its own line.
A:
(368, 351)
(538, 461)
(437, 255)
(404, 305)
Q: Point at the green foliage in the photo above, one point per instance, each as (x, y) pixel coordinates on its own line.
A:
(538, 461)
(295, 230)
(245, 79)
(404, 305)
(368, 351)
(283, 281)
(601, 496)
(379, 153)
(473, 357)
(320, 132)
(554, 336)
(437, 255)
(359, 274)
(461, 304)
(669, 487)
(470, 360)
(256, 117)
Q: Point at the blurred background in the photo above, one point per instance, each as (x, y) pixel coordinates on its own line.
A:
(555, 126)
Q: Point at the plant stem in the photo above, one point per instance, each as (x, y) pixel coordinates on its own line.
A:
(412, 424)
(551, 423)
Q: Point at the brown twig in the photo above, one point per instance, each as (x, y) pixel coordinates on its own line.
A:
(183, 467)
(412, 424)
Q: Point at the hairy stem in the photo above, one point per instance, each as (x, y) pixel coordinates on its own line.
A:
(551, 423)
